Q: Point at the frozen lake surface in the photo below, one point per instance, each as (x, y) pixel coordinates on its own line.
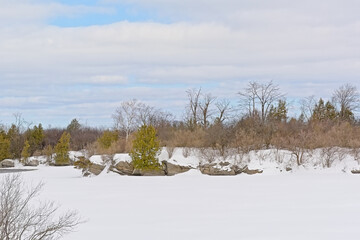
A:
(300, 205)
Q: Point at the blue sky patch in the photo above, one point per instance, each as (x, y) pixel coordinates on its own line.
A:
(113, 13)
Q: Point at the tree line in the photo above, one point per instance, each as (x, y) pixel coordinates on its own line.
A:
(260, 120)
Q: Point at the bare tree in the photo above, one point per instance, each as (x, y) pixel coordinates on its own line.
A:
(346, 98)
(126, 117)
(248, 98)
(308, 107)
(223, 110)
(205, 108)
(193, 107)
(263, 95)
(149, 115)
(21, 219)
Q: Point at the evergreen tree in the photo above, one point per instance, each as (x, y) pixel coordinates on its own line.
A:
(62, 150)
(35, 137)
(25, 154)
(324, 111)
(16, 141)
(74, 126)
(107, 139)
(330, 111)
(278, 113)
(319, 111)
(145, 149)
(348, 115)
(4, 146)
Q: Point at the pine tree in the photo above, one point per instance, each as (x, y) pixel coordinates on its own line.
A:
(348, 115)
(330, 111)
(25, 152)
(278, 113)
(319, 111)
(145, 149)
(107, 139)
(74, 126)
(16, 141)
(35, 137)
(4, 146)
(62, 150)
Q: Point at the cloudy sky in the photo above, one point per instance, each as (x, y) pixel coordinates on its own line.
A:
(66, 59)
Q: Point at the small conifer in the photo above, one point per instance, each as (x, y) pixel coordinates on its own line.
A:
(145, 149)
(107, 138)
(25, 154)
(62, 150)
(4, 146)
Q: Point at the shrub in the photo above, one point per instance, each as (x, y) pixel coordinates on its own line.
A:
(145, 149)
(4, 147)
(107, 138)
(48, 152)
(62, 150)
(25, 154)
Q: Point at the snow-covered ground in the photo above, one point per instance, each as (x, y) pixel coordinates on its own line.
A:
(301, 205)
(309, 202)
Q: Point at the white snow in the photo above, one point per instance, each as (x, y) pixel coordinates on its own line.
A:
(122, 157)
(96, 159)
(300, 205)
(307, 203)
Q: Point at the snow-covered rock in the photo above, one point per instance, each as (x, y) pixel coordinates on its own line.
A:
(173, 169)
(32, 163)
(123, 168)
(216, 170)
(7, 163)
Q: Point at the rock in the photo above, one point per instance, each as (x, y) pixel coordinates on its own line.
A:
(251, 171)
(211, 169)
(126, 168)
(123, 168)
(32, 163)
(224, 164)
(237, 169)
(246, 170)
(173, 169)
(355, 171)
(288, 169)
(95, 169)
(7, 163)
(149, 172)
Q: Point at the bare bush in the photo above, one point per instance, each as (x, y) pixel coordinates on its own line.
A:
(263, 156)
(241, 156)
(299, 153)
(186, 151)
(21, 219)
(108, 159)
(187, 138)
(356, 154)
(208, 155)
(279, 156)
(170, 151)
(328, 155)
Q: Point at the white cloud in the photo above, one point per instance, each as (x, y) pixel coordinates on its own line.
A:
(109, 79)
(303, 47)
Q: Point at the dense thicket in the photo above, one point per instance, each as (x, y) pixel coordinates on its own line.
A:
(259, 121)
